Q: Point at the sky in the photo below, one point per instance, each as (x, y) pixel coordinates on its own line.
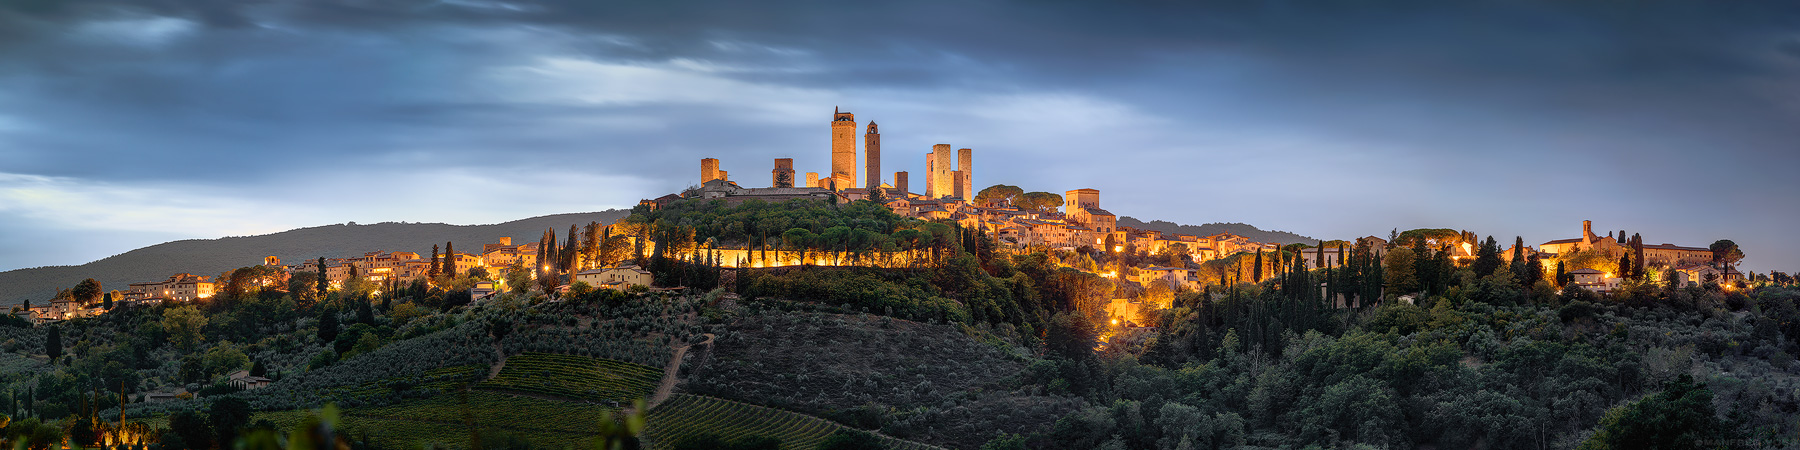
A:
(130, 123)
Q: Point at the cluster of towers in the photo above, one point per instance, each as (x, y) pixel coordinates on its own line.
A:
(948, 173)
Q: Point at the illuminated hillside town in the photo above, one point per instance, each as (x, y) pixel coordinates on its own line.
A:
(1073, 223)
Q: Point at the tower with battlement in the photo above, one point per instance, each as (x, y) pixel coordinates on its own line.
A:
(783, 175)
(843, 149)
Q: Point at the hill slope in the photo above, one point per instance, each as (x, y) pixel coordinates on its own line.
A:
(1240, 229)
(209, 257)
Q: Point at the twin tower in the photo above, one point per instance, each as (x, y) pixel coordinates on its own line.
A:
(945, 177)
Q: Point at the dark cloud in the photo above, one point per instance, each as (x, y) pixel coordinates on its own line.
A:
(1496, 114)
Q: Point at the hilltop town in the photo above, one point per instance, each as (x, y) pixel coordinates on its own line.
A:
(1073, 222)
(845, 310)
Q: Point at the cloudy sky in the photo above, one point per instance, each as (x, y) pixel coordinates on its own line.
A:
(131, 123)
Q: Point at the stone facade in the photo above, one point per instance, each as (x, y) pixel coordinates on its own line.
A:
(843, 149)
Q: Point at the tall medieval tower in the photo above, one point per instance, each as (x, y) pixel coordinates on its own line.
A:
(941, 166)
(843, 149)
(872, 156)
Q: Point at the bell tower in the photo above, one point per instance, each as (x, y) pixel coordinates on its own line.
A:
(843, 149)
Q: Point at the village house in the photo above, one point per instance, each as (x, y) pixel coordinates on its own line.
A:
(243, 380)
(617, 278)
(181, 287)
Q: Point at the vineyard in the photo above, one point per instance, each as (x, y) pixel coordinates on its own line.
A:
(576, 377)
(684, 416)
(443, 421)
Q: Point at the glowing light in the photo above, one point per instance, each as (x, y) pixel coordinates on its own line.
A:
(1115, 321)
(1118, 248)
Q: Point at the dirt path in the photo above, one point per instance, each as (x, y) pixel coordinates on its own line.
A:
(670, 372)
(501, 364)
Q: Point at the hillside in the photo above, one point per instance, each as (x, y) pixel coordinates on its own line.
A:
(1240, 229)
(209, 257)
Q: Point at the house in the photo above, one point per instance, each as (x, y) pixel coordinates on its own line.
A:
(242, 379)
(620, 278)
(1695, 273)
(1595, 280)
(181, 287)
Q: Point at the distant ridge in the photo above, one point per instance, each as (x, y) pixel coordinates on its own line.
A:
(210, 257)
(1240, 229)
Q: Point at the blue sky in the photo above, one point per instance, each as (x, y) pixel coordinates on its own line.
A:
(124, 124)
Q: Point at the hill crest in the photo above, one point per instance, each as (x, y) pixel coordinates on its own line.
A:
(210, 257)
(1240, 229)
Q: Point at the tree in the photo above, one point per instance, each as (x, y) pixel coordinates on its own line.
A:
(1725, 252)
(435, 264)
(53, 343)
(364, 312)
(183, 325)
(323, 284)
(1487, 259)
(1038, 201)
(107, 302)
(1256, 274)
(1681, 416)
(851, 439)
(87, 291)
(328, 325)
(1402, 277)
(998, 194)
(192, 429)
(227, 416)
(449, 260)
(1563, 277)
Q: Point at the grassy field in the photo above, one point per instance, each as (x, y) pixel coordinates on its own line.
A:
(576, 377)
(686, 415)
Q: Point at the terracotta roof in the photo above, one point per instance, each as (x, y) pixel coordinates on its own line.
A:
(1676, 247)
(1562, 241)
(1586, 271)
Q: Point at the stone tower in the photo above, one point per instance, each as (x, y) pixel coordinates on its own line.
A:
(941, 183)
(872, 156)
(812, 179)
(965, 159)
(709, 170)
(843, 149)
(899, 185)
(1081, 198)
(783, 175)
(957, 188)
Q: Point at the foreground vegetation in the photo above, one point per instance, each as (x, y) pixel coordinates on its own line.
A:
(983, 348)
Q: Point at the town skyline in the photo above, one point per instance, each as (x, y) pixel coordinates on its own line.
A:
(1503, 137)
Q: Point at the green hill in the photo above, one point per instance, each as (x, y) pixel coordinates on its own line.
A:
(209, 257)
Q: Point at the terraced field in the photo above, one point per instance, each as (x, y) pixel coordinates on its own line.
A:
(685, 415)
(576, 377)
(441, 422)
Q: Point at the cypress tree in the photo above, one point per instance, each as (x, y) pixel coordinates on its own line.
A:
(1562, 274)
(435, 264)
(328, 325)
(364, 312)
(53, 344)
(323, 281)
(1624, 265)
(569, 249)
(1257, 273)
(450, 260)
